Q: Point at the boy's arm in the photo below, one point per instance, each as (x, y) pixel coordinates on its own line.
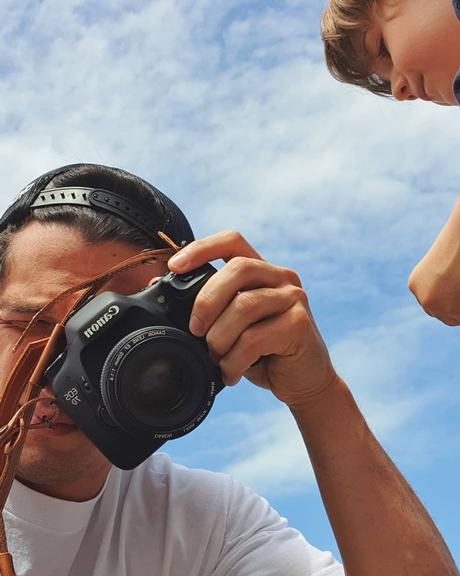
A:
(435, 280)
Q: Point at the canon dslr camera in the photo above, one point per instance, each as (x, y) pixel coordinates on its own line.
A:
(132, 375)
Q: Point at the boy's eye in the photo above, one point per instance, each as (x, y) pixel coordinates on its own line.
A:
(383, 50)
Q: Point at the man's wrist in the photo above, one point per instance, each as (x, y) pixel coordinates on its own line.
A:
(326, 417)
(315, 400)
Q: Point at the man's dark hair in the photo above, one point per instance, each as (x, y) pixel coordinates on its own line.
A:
(96, 224)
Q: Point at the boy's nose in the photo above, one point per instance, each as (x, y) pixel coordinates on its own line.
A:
(401, 88)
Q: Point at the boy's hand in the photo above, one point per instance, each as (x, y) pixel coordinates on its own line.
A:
(252, 309)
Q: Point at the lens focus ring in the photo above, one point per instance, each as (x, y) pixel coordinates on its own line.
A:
(158, 380)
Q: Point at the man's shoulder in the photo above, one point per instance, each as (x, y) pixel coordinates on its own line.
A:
(160, 466)
(238, 528)
(159, 477)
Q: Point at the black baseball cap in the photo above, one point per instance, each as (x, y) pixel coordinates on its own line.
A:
(127, 196)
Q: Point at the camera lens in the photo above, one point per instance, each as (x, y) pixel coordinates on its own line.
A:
(159, 380)
(154, 384)
(158, 386)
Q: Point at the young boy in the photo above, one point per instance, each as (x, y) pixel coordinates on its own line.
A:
(408, 49)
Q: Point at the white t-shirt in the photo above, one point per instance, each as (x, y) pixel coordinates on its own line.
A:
(160, 519)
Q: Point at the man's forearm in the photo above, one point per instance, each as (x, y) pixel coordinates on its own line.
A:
(381, 527)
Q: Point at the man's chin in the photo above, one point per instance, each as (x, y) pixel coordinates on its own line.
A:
(64, 443)
(50, 463)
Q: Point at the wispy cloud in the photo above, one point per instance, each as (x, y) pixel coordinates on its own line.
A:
(384, 368)
(227, 106)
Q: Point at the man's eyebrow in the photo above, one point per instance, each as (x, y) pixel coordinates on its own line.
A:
(10, 305)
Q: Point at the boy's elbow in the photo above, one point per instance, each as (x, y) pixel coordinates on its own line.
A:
(415, 285)
(434, 297)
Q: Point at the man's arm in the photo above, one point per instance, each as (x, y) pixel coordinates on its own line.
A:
(435, 280)
(380, 525)
(251, 309)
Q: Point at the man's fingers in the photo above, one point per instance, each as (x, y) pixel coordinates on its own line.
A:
(223, 245)
(277, 336)
(248, 308)
(238, 275)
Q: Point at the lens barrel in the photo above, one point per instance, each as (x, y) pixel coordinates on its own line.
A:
(158, 380)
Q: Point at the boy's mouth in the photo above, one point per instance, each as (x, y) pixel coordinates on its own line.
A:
(421, 89)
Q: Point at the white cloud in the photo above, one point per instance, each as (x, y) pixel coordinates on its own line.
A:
(272, 459)
(226, 105)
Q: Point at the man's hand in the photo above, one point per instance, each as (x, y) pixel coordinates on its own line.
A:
(250, 310)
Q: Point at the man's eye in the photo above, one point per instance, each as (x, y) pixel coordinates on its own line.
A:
(40, 326)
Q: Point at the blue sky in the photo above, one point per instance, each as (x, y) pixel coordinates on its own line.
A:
(227, 107)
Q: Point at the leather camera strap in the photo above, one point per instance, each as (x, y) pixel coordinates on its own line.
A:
(22, 389)
(90, 287)
(23, 385)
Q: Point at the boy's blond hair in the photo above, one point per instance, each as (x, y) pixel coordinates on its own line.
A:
(341, 24)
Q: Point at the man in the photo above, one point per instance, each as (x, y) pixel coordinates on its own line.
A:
(70, 512)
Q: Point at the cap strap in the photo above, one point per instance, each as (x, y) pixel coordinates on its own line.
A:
(105, 200)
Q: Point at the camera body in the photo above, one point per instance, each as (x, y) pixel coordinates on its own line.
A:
(132, 375)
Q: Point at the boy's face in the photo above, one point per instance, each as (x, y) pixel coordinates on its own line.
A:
(415, 44)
